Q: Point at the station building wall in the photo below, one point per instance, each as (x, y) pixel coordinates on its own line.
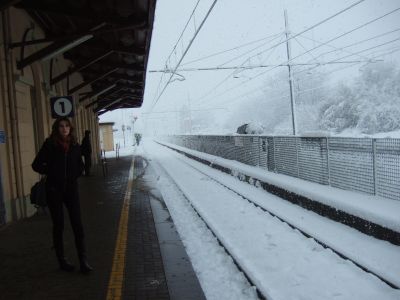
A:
(25, 114)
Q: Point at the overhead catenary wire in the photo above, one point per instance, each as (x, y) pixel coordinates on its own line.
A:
(293, 36)
(387, 52)
(254, 55)
(255, 66)
(258, 89)
(350, 45)
(225, 79)
(322, 44)
(231, 49)
(310, 53)
(318, 24)
(183, 31)
(337, 37)
(176, 44)
(349, 55)
(184, 53)
(348, 32)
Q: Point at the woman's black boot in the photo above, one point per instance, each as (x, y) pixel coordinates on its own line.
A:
(85, 267)
(65, 265)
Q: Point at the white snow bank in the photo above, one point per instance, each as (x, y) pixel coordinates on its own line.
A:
(282, 262)
(218, 275)
(380, 257)
(355, 132)
(379, 210)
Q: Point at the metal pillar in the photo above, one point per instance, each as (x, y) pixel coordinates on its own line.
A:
(292, 100)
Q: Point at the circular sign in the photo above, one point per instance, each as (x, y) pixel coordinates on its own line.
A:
(62, 107)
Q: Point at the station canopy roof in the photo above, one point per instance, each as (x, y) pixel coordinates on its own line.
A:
(108, 42)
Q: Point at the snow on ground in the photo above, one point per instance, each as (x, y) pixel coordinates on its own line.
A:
(380, 257)
(354, 132)
(125, 151)
(218, 276)
(376, 209)
(283, 263)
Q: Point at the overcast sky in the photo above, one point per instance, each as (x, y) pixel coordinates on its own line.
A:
(233, 23)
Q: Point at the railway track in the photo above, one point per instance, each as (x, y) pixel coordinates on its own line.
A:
(212, 231)
(293, 226)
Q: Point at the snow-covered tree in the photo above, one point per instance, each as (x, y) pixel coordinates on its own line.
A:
(371, 105)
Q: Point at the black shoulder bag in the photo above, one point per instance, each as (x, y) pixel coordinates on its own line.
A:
(38, 193)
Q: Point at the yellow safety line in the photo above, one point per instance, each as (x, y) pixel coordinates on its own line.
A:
(115, 284)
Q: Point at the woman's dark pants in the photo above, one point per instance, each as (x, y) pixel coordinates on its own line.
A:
(68, 196)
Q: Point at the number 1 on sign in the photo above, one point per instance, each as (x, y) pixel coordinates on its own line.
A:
(62, 107)
(62, 104)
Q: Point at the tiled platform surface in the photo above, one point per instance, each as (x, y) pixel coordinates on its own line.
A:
(28, 268)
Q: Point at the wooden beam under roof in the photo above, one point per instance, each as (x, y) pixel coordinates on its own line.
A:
(4, 4)
(137, 67)
(100, 31)
(135, 79)
(45, 52)
(78, 68)
(85, 83)
(118, 90)
(98, 91)
(64, 10)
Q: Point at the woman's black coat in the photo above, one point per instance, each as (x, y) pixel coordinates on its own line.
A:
(61, 168)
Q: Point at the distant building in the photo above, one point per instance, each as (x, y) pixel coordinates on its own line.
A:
(107, 136)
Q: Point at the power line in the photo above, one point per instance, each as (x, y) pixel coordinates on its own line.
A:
(231, 49)
(333, 71)
(318, 24)
(338, 59)
(183, 31)
(225, 79)
(324, 43)
(185, 52)
(253, 66)
(348, 32)
(389, 51)
(258, 89)
(350, 45)
(176, 44)
(302, 46)
(257, 54)
(293, 36)
(335, 38)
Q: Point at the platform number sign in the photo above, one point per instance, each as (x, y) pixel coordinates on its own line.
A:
(62, 107)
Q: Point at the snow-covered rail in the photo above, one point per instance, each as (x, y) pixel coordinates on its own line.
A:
(263, 244)
(294, 226)
(237, 264)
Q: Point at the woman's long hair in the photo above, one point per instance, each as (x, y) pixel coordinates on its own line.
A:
(55, 132)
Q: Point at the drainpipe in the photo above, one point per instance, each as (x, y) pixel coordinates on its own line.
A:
(12, 104)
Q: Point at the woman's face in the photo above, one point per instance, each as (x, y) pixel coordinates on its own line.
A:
(63, 128)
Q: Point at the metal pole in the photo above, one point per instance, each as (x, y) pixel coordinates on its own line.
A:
(123, 133)
(374, 165)
(292, 100)
(327, 161)
(273, 141)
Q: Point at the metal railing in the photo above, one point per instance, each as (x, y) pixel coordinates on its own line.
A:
(366, 165)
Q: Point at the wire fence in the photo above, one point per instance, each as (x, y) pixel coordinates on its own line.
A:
(371, 166)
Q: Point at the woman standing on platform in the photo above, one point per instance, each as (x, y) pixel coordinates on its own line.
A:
(60, 159)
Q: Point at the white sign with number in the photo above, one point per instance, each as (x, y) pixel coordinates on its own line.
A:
(62, 106)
